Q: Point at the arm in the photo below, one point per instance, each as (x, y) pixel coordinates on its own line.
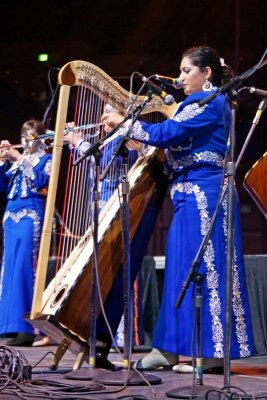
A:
(189, 120)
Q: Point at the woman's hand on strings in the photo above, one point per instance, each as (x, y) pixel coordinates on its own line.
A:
(111, 120)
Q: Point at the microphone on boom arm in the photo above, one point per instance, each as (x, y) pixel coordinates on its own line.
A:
(258, 92)
(167, 98)
(167, 80)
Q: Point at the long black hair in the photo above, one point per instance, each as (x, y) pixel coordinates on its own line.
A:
(205, 56)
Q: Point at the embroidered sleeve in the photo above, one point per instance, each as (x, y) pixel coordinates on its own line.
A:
(191, 121)
(139, 133)
(190, 111)
(83, 147)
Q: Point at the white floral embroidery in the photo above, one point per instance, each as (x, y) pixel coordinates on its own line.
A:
(25, 179)
(48, 166)
(138, 132)
(206, 156)
(237, 305)
(189, 111)
(83, 147)
(27, 169)
(212, 275)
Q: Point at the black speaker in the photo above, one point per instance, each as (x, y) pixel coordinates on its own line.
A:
(256, 277)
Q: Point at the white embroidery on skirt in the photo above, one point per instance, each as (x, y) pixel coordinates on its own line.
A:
(237, 306)
(212, 275)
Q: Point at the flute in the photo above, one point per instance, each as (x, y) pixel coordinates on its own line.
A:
(11, 146)
(51, 134)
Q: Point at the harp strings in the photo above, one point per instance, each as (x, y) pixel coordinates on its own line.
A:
(78, 205)
(78, 209)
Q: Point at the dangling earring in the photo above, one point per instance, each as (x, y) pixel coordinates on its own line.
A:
(207, 86)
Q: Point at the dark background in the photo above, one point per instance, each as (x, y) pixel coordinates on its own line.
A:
(123, 36)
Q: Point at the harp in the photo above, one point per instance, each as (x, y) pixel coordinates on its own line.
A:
(61, 310)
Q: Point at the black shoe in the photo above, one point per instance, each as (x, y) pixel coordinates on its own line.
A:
(22, 339)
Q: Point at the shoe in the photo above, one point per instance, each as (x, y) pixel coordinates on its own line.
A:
(210, 366)
(156, 359)
(22, 339)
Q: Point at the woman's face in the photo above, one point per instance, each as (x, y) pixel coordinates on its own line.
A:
(28, 139)
(191, 76)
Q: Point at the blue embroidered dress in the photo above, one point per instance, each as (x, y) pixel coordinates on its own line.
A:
(25, 183)
(194, 140)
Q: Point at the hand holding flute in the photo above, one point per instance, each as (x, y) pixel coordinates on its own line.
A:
(9, 152)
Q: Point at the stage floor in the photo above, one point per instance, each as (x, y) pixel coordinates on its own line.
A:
(250, 375)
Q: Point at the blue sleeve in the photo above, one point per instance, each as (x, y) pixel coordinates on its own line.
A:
(191, 120)
(42, 174)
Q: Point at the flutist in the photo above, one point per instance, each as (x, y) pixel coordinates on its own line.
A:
(24, 178)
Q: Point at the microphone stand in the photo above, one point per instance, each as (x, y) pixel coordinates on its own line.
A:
(92, 340)
(96, 360)
(50, 105)
(194, 276)
(126, 375)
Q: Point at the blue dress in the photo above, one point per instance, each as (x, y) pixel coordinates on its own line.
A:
(194, 140)
(25, 184)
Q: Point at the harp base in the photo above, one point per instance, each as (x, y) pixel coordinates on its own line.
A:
(67, 341)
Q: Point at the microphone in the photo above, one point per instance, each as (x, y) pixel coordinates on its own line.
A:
(167, 80)
(167, 98)
(259, 92)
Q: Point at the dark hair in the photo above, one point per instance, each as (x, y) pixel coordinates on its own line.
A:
(205, 56)
(33, 126)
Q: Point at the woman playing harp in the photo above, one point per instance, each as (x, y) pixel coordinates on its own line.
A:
(195, 143)
(70, 289)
